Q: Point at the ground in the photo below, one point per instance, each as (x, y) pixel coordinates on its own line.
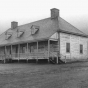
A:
(18, 75)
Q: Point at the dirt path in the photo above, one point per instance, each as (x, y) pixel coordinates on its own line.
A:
(44, 76)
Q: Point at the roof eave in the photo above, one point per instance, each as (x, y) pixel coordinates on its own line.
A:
(22, 42)
(77, 34)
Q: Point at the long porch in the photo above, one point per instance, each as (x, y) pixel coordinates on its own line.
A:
(38, 50)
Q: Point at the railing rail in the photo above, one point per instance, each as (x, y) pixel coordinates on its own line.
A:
(29, 55)
(63, 56)
(56, 55)
(33, 55)
(2, 57)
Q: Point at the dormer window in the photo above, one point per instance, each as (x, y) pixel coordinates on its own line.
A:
(19, 33)
(8, 35)
(34, 29)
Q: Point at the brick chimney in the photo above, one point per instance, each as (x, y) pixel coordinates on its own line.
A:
(54, 13)
(14, 24)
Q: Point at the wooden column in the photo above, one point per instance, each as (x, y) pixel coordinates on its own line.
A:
(57, 59)
(11, 53)
(37, 53)
(18, 52)
(5, 56)
(48, 49)
(58, 52)
(27, 52)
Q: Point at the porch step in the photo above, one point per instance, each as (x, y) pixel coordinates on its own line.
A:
(53, 60)
(60, 61)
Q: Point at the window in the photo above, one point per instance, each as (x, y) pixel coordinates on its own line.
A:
(19, 33)
(81, 49)
(68, 47)
(34, 29)
(8, 35)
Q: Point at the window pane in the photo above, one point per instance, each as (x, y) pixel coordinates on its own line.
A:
(81, 48)
(68, 47)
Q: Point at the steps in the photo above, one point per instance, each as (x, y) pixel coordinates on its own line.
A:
(53, 60)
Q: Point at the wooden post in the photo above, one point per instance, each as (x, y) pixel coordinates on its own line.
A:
(37, 53)
(48, 49)
(65, 59)
(5, 56)
(58, 52)
(11, 53)
(27, 52)
(57, 59)
(18, 52)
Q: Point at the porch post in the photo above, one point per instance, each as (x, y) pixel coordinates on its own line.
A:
(37, 52)
(58, 52)
(27, 52)
(11, 53)
(5, 56)
(48, 49)
(18, 52)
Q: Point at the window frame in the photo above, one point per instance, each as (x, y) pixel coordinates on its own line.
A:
(81, 49)
(67, 47)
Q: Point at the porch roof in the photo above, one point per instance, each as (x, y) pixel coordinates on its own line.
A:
(47, 27)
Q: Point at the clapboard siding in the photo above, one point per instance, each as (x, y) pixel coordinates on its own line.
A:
(75, 42)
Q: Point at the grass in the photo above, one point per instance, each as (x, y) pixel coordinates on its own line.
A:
(74, 75)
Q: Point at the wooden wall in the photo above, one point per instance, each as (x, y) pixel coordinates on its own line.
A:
(75, 42)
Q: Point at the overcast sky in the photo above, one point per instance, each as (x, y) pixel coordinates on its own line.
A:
(26, 11)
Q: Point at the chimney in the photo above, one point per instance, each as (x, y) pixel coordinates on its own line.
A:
(14, 24)
(54, 13)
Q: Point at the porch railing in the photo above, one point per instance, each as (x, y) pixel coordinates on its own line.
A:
(29, 56)
(2, 57)
(39, 55)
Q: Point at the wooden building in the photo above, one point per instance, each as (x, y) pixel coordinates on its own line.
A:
(51, 39)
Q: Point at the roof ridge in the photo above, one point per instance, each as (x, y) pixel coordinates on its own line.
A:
(34, 21)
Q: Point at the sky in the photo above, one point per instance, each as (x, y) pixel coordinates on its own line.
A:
(26, 11)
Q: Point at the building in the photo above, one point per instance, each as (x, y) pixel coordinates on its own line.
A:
(46, 39)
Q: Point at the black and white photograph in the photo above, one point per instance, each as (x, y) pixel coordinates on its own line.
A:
(43, 43)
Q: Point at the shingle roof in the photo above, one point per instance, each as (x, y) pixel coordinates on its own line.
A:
(68, 28)
(47, 27)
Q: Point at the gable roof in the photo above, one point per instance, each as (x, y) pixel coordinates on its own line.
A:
(68, 28)
(47, 27)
